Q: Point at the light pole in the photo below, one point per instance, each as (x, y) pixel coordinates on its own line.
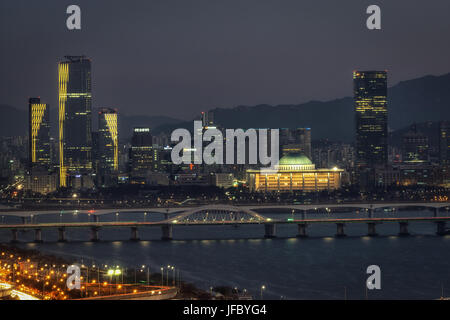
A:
(168, 267)
(162, 276)
(173, 280)
(263, 287)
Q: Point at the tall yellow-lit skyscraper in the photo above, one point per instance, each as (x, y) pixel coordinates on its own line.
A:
(75, 138)
(39, 134)
(108, 139)
(370, 96)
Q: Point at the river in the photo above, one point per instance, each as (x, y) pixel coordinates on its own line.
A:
(318, 267)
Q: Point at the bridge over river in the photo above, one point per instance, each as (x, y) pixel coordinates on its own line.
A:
(230, 215)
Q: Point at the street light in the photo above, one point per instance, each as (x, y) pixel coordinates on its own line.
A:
(168, 268)
(263, 287)
(162, 276)
(173, 280)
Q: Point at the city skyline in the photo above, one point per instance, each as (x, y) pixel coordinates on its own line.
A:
(92, 158)
(226, 151)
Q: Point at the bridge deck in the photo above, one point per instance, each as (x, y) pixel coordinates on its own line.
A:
(180, 209)
(267, 221)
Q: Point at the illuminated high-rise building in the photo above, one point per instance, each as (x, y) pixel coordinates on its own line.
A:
(370, 96)
(39, 134)
(415, 146)
(444, 142)
(141, 155)
(108, 139)
(106, 147)
(75, 139)
(208, 118)
(296, 140)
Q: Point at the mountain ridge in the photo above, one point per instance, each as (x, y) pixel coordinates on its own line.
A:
(426, 98)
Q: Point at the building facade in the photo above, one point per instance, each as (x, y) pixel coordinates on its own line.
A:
(444, 142)
(107, 145)
(294, 172)
(75, 138)
(297, 140)
(38, 134)
(370, 98)
(415, 146)
(141, 155)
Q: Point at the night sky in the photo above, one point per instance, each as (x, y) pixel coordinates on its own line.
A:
(178, 57)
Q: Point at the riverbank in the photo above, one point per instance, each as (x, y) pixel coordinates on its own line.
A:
(44, 276)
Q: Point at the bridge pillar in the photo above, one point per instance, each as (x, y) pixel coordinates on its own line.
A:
(403, 229)
(95, 217)
(37, 235)
(134, 234)
(371, 230)
(303, 214)
(167, 232)
(166, 216)
(435, 212)
(371, 213)
(94, 234)
(340, 230)
(24, 220)
(62, 234)
(270, 229)
(302, 230)
(440, 230)
(14, 234)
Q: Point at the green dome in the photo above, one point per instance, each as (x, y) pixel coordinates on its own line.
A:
(295, 159)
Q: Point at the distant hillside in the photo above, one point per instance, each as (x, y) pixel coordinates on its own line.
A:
(418, 100)
(13, 122)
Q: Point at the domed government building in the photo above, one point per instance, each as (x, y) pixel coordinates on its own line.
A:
(295, 171)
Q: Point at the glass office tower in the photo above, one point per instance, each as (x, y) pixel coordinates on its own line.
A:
(75, 138)
(370, 96)
(39, 134)
(108, 140)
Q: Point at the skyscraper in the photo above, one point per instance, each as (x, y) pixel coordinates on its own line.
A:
(75, 139)
(208, 118)
(39, 134)
(370, 96)
(106, 147)
(296, 140)
(141, 155)
(415, 146)
(444, 142)
(108, 139)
